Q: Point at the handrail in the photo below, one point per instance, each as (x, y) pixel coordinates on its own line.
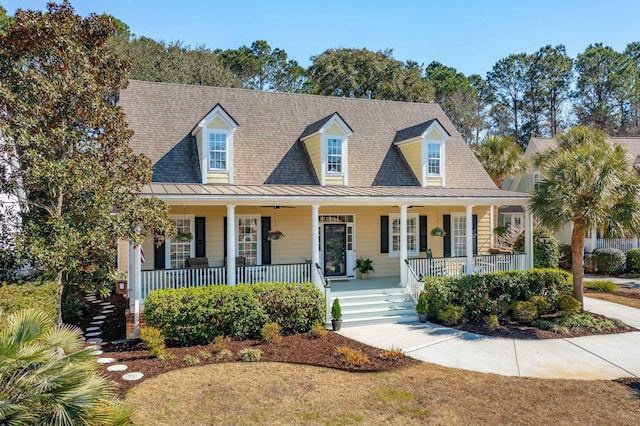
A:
(327, 293)
(418, 277)
(414, 285)
(326, 282)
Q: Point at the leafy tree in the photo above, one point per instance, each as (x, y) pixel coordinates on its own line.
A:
(122, 29)
(604, 86)
(46, 377)
(588, 182)
(262, 68)
(361, 73)
(5, 20)
(172, 63)
(507, 82)
(633, 124)
(501, 157)
(73, 171)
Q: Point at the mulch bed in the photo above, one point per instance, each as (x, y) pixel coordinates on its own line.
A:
(297, 349)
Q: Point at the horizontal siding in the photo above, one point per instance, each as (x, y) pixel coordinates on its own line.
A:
(217, 177)
(413, 154)
(433, 181)
(313, 148)
(331, 179)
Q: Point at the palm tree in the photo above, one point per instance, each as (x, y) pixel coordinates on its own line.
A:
(590, 183)
(46, 377)
(501, 157)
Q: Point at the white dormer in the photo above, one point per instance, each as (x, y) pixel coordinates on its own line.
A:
(214, 138)
(423, 146)
(327, 143)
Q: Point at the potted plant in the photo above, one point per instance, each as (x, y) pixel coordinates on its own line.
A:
(364, 266)
(438, 232)
(422, 307)
(275, 235)
(500, 231)
(183, 237)
(336, 315)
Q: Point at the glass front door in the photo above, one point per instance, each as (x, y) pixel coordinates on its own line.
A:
(335, 239)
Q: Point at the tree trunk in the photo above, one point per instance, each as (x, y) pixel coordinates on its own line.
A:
(577, 256)
(60, 288)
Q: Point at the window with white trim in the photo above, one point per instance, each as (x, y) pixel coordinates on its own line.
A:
(218, 151)
(182, 246)
(412, 235)
(334, 155)
(536, 181)
(458, 235)
(248, 245)
(434, 157)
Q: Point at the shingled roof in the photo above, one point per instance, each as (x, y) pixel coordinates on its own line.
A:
(267, 147)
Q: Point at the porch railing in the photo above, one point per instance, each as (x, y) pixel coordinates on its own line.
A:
(178, 278)
(624, 244)
(415, 282)
(456, 266)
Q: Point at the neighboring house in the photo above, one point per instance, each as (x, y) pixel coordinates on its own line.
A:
(341, 178)
(528, 181)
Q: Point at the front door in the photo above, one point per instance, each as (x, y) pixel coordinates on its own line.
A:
(335, 239)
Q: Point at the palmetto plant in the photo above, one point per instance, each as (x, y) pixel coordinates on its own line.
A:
(588, 182)
(46, 378)
(501, 157)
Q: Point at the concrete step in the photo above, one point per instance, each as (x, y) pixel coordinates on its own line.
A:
(381, 305)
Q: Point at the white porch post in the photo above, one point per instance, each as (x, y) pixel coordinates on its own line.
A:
(135, 274)
(231, 245)
(469, 239)
(315, 237)
(593, 240)
(403, 244)
(491, 227)
(528, 236)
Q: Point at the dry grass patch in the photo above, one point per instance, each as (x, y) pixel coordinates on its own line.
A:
(275, 393)
(627, 301)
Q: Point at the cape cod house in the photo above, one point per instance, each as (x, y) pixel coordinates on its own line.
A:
(339, 178)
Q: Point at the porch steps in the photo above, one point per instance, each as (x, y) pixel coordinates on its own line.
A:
(375, 305)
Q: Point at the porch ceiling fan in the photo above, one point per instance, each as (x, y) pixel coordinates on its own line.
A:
(278, 207)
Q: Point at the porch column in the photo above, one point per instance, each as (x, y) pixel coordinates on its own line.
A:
(491, 227)
(315, 237)
(135, 274)
(528, 236)
(469, 240)
(231, 245)
(593, 240)
(403, 244)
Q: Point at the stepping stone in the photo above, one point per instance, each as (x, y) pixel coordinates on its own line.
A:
(133, 376)
(95, 301)
(107, 312)
(96, 322)
(99, 317)
(92, 328)
(105, 304)
(105, 360)
(94, 347)
(117, 367)
(94, 340)
(94, 334)
(95, 353)
(90, 299)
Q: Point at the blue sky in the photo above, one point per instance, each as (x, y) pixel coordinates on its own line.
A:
(465, 34)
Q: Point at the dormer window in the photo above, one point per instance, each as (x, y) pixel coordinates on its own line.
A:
(423, 146)
(327, 142)
(214, 138)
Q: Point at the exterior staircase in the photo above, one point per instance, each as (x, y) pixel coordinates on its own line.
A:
(392, 304)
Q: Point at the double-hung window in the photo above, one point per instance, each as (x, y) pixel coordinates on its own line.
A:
(182, 246)
(249, 239)
(412, 235)
(217, 151)
(334, 155)
(459, 235)
(434, 157)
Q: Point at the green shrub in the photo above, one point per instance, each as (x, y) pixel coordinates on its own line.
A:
(336, 310)
(492, 322)
(422, 305)
(271, 333)
(32, 294)
(600, 286)
(73, 307)
(224, 355)
(545, 248)
(440, 291)
(191, 316)
(565, 256)
(542, 304)
(154, 341)
(633, 260)
(318, 330)
(608, 260)
(524, 311)
(191, 359)
(220, 343)
(249, 355)
(568, 305)
(204, 354)
(451, 314)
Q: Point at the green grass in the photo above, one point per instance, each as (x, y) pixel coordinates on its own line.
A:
(601, 286)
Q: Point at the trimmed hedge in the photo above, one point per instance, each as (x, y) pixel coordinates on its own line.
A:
(191, 316)
(33, 294)
(495, 293)
(633, 260)
(545, 248)
(608, 260)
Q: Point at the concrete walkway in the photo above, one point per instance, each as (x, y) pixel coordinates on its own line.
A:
(591, 357)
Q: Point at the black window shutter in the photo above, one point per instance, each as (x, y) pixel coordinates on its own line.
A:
(266, 243)
(475, 234)
(446, 221)
(384, 234)
(200, 237)
(224, 237)
(159, 255)
(423, 233)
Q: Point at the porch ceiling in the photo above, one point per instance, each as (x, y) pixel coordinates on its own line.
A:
(335, 195)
